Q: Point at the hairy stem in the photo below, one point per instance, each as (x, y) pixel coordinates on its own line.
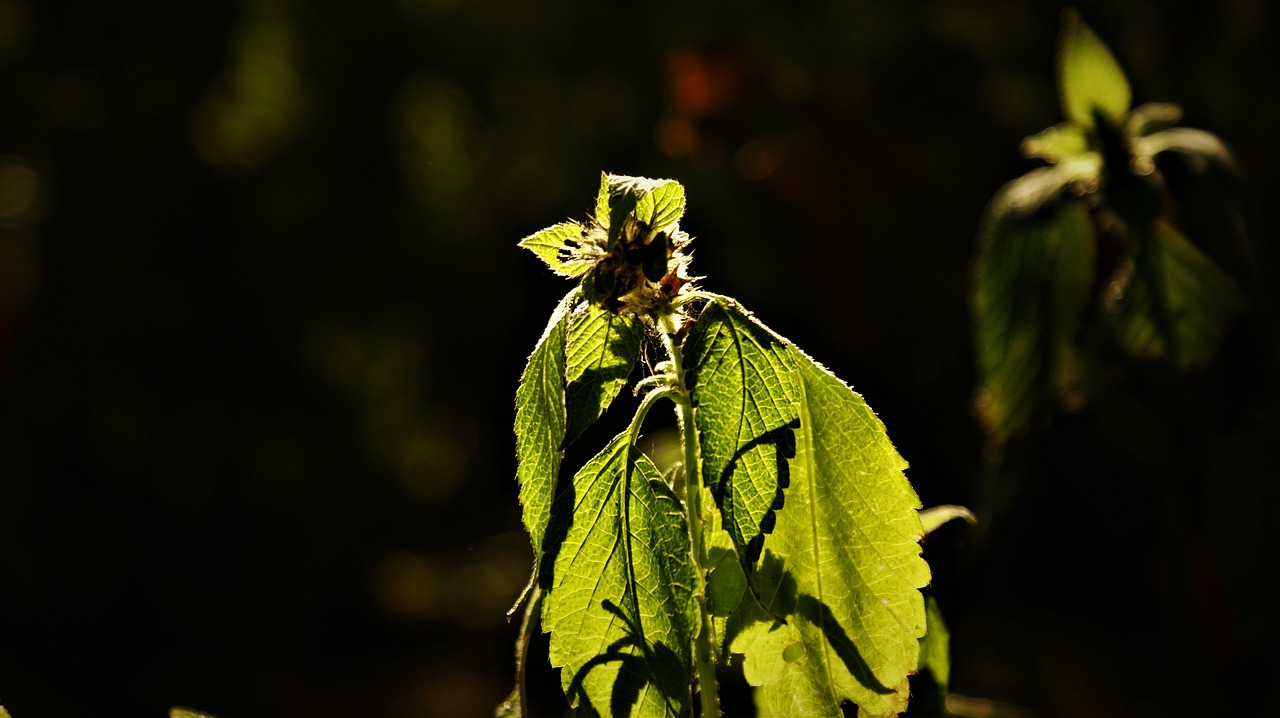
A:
(704, 653)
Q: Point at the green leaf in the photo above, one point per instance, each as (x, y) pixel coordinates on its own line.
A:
(744, 394)
(175, 712)
(661, 205)
(1089, 78)
(554, 246)
(620, 611)
(935, 516)
(1151, 117)
(3, 713)
(602, 200)
(1032, 278)
(1172, 301)
(540, 423)
(1202, 149)
(935, 649)
(600, 352)
(843, 565)
(1057, 143)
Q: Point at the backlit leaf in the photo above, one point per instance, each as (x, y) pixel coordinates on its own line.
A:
(620, 611)
(553, 245)
(744, 395)
(540, 423)
(662, 205)
(842, 565)
(1089, 78)
(600, 351)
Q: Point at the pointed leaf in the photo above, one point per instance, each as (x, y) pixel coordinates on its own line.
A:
(935, 516)
(1174, 302)
(621, 612)
(1089, 78)
(1152, 117)
(540, 423)
(743, 389)
(661, 205)
(555, 244)
(602, 200)
(601, 349)
(842, 566)
(1032, 277)
(1201, 148)
(848, 541)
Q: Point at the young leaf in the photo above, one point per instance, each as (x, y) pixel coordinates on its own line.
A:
(540, 423)
(1202, 149)
(744, 392)
(1174, 302)
(600, 352)
(1032, 279)
(621, 611)
(935, 516)
(174, 712)
(662, 205)
(553, 245)
(1089, 78)
(1057, 143)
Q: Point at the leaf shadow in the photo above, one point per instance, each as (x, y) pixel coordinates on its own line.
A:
(785, 600)
(783, 442)
(558, 525)
(655, 663)
(585, 396)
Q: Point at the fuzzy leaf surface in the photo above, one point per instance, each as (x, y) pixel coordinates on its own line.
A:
(1032, 278)
(540, 423)
(1176, 303)
(620, 611)
(1089, 78)
(744, 394)
(661, 205)
(843, 565)
(550, 246)
(600, 351)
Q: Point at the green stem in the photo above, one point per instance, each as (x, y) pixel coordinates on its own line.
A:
(704, 653)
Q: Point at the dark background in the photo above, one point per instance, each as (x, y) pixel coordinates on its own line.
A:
(262, 317)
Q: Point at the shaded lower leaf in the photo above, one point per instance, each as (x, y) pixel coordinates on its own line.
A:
(600, 350)
(620, 611)
(1174, 302)
(1032, 279)
(935, 649)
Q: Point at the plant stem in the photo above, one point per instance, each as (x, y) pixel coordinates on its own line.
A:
(704, 655)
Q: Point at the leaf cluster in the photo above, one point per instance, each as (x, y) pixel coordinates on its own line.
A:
(794, 552)
(1088, 246)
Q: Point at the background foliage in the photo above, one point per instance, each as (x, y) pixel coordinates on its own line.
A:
(262, 317)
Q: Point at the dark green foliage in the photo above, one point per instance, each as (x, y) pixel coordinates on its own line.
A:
(1102, 204)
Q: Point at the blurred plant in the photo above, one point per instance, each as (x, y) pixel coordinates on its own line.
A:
(795, 546)
(1101, 210)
